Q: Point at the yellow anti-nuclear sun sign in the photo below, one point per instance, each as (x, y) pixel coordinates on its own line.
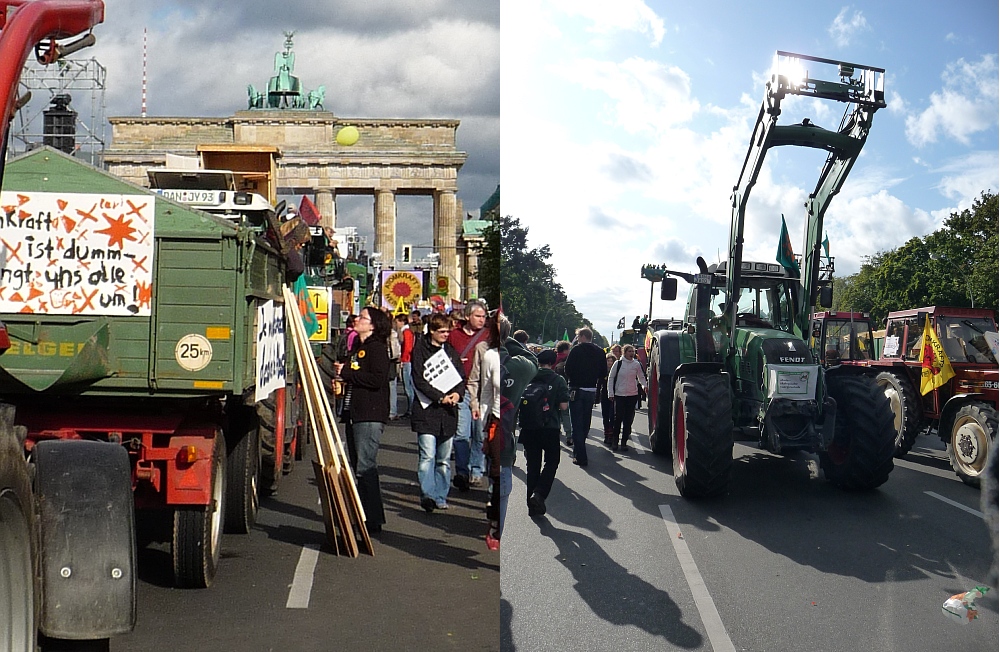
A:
(400, 286)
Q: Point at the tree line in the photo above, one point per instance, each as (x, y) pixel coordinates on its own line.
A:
(532, 297)
(956, 265)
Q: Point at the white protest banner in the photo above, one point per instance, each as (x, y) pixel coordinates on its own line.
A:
(270, 360)
(76, 253)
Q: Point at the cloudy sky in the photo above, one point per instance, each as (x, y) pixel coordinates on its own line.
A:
(625, 131)
(377, 59)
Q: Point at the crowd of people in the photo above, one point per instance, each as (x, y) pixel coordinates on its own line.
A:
(559, 393)
(449, 365)
(469, 385)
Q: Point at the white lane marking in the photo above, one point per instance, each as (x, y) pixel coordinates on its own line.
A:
(716, 631)
(962, 507)
(298, 594)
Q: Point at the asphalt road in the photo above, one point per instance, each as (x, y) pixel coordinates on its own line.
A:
(432, 584)
(786, 561)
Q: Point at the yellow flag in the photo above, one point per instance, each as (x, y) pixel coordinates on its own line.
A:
(935, 367)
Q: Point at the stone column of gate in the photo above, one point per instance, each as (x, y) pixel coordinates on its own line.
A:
(327, 205)
(445, 232)
(471, 271)
(385, 225)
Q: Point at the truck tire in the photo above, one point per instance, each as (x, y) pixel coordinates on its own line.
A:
(702, 435)
(242, 473)
(663, 357)
(864, 440)
(19, 545)
(907, 410)
(197, 535)
(973, 433)
(267, 418)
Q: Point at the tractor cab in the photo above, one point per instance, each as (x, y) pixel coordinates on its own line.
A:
(837, 338)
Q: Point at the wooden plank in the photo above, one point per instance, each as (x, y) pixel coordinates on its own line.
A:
(327, 436)
(326, 501)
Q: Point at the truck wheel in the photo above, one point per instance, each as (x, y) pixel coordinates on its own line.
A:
(198, 530)
(973, 433)
(864, 438)
(242, 474)
(907, 410)
(702, 435)
(659, 411)
(19, 546)
(267, 418)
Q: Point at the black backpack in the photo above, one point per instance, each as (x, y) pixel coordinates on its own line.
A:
(536, 405)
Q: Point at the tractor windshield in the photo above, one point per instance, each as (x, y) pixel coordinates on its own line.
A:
(849, 340)
(767, 303)
(964, 339)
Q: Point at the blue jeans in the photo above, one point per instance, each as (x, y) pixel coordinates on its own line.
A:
(393, 395)
(367, 435)
(434, 467)
(469, 458)
(407, 368)
(506, 485)
(581, 410)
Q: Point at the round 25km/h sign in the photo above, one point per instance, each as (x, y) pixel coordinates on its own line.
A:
(193, 352)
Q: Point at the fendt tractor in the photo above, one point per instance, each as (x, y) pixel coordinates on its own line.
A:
(143, 347)
(741, 369)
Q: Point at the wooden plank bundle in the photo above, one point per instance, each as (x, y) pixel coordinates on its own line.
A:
(342, 509)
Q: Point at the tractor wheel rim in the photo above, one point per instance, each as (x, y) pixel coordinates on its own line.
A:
(217, 507)
(679, 435)
(971, 446)
(897, 409)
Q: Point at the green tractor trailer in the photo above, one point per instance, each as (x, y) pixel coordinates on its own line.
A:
(741, 368)
(136, 321)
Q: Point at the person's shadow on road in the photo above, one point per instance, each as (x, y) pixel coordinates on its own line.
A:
(616, 595)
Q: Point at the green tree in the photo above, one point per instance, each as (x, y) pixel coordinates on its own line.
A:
(942, 268)
(532, 299)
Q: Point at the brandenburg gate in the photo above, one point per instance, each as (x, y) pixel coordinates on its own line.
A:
(389, 158)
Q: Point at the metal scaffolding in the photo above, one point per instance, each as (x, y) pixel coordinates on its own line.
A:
(85, 81)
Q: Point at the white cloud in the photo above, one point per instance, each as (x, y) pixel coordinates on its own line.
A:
(623, 15)
(845, 27)
(862, 225)
(963, 179)
(965, 106)
(646, 95)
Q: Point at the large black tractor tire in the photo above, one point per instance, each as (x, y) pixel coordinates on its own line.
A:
(702, 435)
(907, 410)
(660, 401)
(197, 537)
(864, 440)
(267, 422)
(18, 543)
(242, 472)
(973, 432)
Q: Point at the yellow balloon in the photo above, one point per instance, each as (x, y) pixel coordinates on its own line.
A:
(348, 136)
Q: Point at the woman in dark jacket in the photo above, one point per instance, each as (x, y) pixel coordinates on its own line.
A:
(366, 407)
(435, 414)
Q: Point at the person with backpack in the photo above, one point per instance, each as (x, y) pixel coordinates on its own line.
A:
(625, 384)
(543, 400)
(518, 366)
(585, 367)
(562, 352)
(470, 464)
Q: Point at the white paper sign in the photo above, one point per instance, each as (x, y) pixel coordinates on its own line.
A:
(76, 253)
(797, 382)
(891, 347)
(270, 360)
(440, 372)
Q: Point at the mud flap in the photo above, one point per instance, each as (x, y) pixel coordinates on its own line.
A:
(87, 539)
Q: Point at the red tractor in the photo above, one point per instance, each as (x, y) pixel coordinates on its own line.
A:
(964, 409)
(842, 338)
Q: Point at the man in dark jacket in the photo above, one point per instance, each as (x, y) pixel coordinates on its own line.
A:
(435, 413)
(543, 437)
(585, 366)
